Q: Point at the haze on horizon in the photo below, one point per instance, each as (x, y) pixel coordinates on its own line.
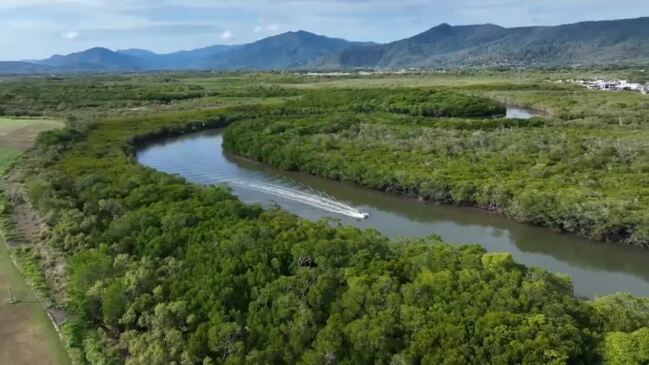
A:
(33, 29)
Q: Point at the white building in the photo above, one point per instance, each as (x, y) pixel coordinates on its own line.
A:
(617, 85)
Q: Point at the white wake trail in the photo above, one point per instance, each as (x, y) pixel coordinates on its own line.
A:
(315, 199)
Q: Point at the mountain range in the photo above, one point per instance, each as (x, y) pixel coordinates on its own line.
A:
(603, 43)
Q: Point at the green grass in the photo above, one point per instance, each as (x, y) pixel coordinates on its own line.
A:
(27, 336)
(6, 156)
(8, 125)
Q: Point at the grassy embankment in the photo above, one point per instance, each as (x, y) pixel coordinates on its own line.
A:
(26, 336)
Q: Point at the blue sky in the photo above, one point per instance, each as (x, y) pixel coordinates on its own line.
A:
(39, 28)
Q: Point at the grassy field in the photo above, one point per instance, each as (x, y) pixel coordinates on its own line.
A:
(26, 334)
(17, 134)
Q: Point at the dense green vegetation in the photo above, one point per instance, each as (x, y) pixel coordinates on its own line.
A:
(160, 271)
(63, 94)
(413, 102)
(576, 179)
(117, 93)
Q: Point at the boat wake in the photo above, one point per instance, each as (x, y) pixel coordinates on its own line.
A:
(312, 197)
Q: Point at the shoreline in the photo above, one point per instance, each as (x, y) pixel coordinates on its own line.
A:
(158, 136)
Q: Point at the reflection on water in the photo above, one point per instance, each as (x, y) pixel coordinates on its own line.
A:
(595, 268)
(522, 113)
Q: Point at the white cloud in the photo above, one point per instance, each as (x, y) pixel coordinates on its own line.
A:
(267, 28)
(73, 36)
(227, 35)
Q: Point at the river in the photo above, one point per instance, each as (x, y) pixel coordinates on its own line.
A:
(595, 268)
(522, 113)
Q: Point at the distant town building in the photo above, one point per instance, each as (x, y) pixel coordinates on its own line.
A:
(616, 85)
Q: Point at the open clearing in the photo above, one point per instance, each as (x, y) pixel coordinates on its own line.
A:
(19, 133)
(26, 334)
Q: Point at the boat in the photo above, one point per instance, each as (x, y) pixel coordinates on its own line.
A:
(361, 214)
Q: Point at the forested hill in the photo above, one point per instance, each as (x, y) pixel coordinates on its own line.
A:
(286, 51)
(588, 43)
(290, 50)
(616, 42)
